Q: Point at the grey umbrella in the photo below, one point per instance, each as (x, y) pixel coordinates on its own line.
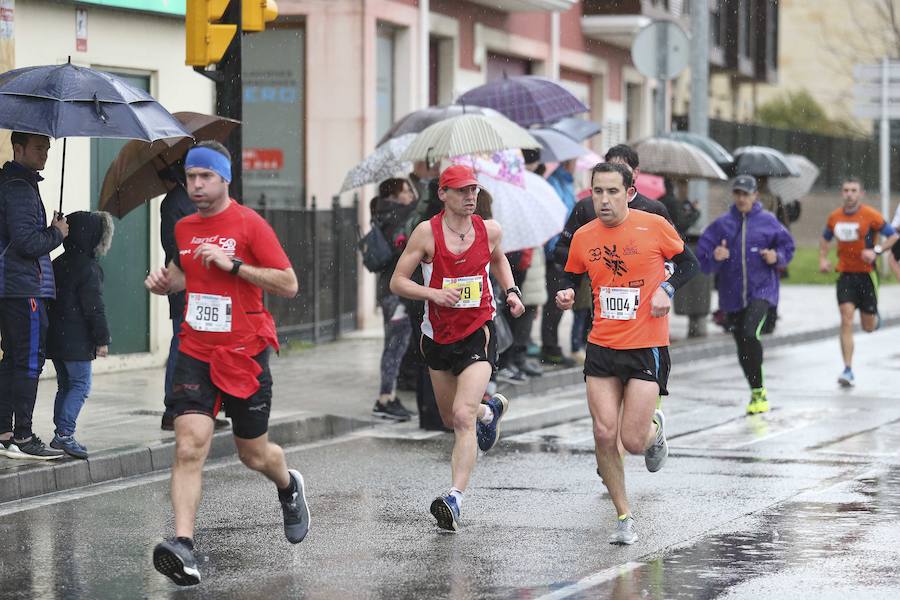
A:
(762, 161)
(577, 129)
(382, 164)
(713, 148)
(794, 188)
(556, 147)
(663, 156)
(420, 120)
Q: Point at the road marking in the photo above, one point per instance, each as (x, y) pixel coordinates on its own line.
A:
(591, 581)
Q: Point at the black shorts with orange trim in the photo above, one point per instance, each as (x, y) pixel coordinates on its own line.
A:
(647, 364)
(193, 392)
(480, 346)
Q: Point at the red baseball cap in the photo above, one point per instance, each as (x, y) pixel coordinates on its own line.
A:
(457, 176)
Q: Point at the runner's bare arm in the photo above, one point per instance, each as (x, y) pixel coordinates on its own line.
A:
(419, 247)
(824, 263)
(501, 269)
(165, 281)
(279, 282)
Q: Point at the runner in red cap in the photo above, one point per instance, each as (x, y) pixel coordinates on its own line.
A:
(227, 256)
(457, 251)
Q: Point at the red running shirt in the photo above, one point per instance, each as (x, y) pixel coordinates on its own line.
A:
(468, 271)
(245, 235)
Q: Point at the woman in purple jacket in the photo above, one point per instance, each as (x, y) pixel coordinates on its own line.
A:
(746, 248)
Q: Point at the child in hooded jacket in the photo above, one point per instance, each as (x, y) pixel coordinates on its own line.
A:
(78, 332)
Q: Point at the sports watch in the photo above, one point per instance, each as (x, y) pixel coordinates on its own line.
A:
(668, 288)
(235, 265)
(514, 290)
(878, 249)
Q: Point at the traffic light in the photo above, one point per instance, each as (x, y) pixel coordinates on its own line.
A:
(206, 40)
(256, 13)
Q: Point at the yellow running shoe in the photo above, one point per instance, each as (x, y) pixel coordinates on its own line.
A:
(759, 403)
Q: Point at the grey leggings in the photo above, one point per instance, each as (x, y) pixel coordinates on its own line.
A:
(397, 329)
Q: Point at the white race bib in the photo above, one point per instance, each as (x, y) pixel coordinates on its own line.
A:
(208, 312)
(469, 290)
(846, 231)
(619, 304)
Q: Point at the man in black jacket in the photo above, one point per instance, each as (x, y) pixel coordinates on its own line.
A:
(26, 283)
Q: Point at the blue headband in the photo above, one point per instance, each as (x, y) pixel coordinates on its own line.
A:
(207, 158)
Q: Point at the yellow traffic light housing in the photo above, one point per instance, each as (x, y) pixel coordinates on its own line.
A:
(256, 13)
(206, 41)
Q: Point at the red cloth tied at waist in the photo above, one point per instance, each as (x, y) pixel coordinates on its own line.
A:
(234, 372)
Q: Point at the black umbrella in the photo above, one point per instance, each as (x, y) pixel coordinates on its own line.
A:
(762, 161)
(62, 101)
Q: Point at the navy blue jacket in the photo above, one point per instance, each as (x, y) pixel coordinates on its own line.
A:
(25, 267)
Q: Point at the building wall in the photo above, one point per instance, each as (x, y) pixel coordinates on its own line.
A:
(123, 41)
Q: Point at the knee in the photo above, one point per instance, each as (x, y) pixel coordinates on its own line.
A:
(188, 450)
(463, 419)
(634, 444)
(254, 460)
(868, 325)
(604, 435)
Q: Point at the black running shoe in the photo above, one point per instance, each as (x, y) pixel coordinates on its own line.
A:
(174, 559)
(35, 448)
(390, 410)
(296, 511)
(397, 405)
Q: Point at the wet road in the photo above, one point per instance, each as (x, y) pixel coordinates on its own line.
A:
(802, 502)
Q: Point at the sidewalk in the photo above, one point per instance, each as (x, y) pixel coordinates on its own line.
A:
(329, 390)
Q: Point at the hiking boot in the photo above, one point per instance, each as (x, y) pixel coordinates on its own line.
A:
(846, 378)
(69, 445)
(490, 433)
(390, 411)
(35, 448)
(295, 510)
(175, 559)
(655, 456)
(10, 449)
(446, 511)
(624, 534)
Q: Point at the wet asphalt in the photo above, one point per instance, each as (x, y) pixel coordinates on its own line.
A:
(803, 502)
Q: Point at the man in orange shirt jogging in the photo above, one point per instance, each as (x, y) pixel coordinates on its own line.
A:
(855, 226)
(627, 360)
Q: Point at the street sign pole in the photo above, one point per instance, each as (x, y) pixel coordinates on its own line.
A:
(229, 99)
(885, 143)
(698, 118)
(662, 96)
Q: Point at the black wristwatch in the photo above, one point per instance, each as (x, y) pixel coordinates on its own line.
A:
(514, 290)
(235, 265)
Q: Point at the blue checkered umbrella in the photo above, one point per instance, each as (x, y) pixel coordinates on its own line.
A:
(526, 99)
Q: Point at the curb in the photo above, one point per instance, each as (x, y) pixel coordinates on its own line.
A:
(30, 479)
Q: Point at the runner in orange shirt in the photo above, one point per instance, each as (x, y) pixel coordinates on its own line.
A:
(627, 359)
(855, 226)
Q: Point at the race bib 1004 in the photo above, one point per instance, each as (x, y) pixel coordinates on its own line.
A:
(208, 312)
(469, 290)
(619, 304)
(846, 231)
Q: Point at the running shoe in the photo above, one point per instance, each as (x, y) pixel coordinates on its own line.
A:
(655, 456)
(175, 559)
(446, 511)
(10, 449)
(511, 375)
(389, 411)
(759, 402)
(531, 368)
(69, 445)
(36, 449)
(846, 378)
(557, 359)
(490, 433)
(624, 534)
(398, 406)
(296, 511)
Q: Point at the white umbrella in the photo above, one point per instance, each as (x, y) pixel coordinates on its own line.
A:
(794, 188)
(382, 164)
(529, 217)
(468, 134)
(668, 157)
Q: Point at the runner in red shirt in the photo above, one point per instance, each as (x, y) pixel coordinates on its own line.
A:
(457, 251)
(227, 257)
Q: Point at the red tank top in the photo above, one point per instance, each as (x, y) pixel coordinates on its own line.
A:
(468, 271)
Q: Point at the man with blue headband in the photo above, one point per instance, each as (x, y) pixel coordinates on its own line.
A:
(227, 257)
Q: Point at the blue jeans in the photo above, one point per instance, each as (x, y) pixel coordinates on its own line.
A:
(74, 380)
(170, 364)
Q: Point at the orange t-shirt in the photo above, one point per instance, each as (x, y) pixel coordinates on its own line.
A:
(852, 233)
(626, 264)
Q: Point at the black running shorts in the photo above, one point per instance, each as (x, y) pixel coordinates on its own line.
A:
(647, 364)
(193, 392)
(859, 289)
(895, 250)
(480, 346)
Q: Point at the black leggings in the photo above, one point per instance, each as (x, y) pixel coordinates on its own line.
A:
(748, 324)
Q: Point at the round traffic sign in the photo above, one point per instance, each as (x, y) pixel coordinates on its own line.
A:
(660, 50)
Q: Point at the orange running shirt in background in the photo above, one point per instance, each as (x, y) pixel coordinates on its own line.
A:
(629, 255)
(851, 233)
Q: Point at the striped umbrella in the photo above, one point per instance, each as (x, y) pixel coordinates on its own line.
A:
(667, 157)
(468, 134)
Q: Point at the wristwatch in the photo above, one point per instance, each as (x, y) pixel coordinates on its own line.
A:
(878, 249)
(235, 265)
(668, 288)
(514, 290)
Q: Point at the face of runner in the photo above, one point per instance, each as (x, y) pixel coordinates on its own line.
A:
(743, 201)
(460, 202)
(610, 197)
(207, 189)
(852, 193)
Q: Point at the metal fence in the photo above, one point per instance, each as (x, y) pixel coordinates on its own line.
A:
(321, 245)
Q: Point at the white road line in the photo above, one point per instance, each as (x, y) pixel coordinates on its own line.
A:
(591, 581)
